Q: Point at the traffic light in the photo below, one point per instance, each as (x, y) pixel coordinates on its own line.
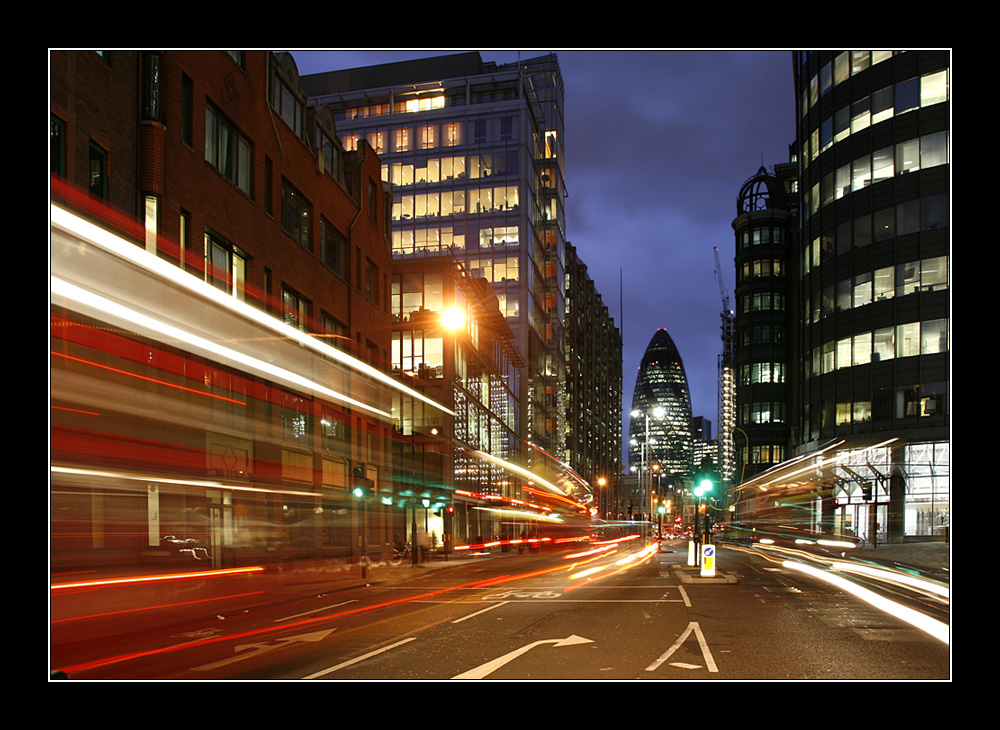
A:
(361, 486)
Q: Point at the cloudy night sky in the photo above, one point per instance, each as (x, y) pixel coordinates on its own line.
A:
(658, 144)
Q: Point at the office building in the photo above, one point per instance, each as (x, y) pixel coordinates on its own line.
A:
(763, 324)
(660, 436)
(870, 296)
(593, 385)
(474, 153)
(450, 341)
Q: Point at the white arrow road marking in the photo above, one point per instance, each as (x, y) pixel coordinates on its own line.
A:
(693, 627)
(251, 650)
(490, 667)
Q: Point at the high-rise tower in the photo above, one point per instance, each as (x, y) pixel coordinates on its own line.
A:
(870, 293)
(474, 153)
(660, 437)
(764, 237)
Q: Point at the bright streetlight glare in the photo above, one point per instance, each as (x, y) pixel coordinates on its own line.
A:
(453, 318)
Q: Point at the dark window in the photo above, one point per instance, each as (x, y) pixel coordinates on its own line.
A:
(334, 252)
(227, 150)
(296, 215)
(98, 182)
(57, 146)
(371, 281)
(152, 89)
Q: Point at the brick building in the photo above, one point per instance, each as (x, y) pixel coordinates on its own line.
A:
(213, 161)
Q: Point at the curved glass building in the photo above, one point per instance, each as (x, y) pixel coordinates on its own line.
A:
(660, 435)
(868, 303)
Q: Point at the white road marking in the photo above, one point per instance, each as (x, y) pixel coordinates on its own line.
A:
(361, 658)
(488, 668)
(694, 628)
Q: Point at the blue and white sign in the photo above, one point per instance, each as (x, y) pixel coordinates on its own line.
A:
(707, 561)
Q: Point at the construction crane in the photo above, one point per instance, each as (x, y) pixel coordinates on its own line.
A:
(722, 286)
(727, 383)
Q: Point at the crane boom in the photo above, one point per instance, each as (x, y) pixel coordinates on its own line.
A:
(722, 286)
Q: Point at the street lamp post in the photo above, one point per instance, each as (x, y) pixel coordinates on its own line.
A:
(658, 412)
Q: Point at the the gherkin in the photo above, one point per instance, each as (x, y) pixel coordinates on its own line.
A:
(661, 412)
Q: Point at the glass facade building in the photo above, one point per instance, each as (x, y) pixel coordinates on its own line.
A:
(871, 292)
(473, 151)
(660, 437)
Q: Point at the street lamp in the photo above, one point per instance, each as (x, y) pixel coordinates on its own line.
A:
(658, 412)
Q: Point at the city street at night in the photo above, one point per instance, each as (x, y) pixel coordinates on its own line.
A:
(509, 616)
(508, 364)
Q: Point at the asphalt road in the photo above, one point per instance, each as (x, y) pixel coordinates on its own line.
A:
(518, 617)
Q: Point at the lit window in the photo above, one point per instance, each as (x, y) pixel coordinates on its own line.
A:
(225, 265)
(934, 88)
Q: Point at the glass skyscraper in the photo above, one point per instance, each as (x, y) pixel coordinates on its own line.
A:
(474, 153)
(868, 305)
(660, 437)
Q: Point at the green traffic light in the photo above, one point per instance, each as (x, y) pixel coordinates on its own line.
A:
(706, 485)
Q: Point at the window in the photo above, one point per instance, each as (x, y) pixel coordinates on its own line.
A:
(371, 281)
(401, 139)
(334, 432)
(452, 133)
(933, 336)
(57, 145)
(295, 417)
(294, 308)
(862, 349)
(227, 150)
(152, 221)
(884, 344)
(908, 339)
(335, 332)
(152, 89)
(862, 289)
(98, 176)
(225, 265)
(286, 103)
(334, 252)
(934, 274)
(296, 215)
(934, 88)
(329, 153)
(885, 283)
(934, 150)
(428, 136)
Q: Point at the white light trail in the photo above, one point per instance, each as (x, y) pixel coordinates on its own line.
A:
(123, 249)
(927, 624)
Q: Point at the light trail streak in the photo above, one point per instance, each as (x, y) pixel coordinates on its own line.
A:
(133, 580)
(935, 628)
(63, 219)
(89, 299)
(270, 630)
